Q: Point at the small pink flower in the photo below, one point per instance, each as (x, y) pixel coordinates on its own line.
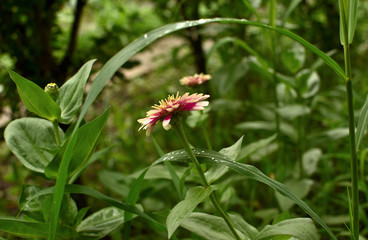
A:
(195, 80)
(168, 108)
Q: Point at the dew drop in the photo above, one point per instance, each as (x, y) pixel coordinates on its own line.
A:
(145, 36)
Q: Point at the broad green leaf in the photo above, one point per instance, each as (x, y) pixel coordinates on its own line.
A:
(293, 58)
(217, 171)
(31, 208)
(212, 157)
(300, 228)
(123, 56)
(310, 160)
(337, 133)
(209, 227)
(309, 86)
(68, 210)
(115, 181)
(244, 227)
(71, 93)
(32, 141)
(34, 230)
(286, 128)
(362, 124)
(300, 188)
(35, 99)
(196, 118)
(184, 208)
(290, 112)
(87, 138)
(79, 189)
(101, 223)
(225, 78)
(255, 146)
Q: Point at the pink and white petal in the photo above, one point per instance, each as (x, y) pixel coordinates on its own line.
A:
(166, 122)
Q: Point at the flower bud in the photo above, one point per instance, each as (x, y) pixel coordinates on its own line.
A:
(53, 90)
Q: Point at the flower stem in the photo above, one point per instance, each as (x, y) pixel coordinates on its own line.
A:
(56, 131)
(180, 132)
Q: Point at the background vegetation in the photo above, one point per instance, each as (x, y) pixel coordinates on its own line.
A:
(49, 41)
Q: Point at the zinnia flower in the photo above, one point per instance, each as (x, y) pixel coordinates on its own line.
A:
(171, 107)
(195, 80)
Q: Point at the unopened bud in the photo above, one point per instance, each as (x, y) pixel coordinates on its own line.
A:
(53, 90)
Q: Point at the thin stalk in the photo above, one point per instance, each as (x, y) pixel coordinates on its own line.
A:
(354, 159)
(180, 132)
(354, 162)
(272, 22)
(56, 131)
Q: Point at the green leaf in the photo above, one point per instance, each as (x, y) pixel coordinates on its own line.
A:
(31, 208)
(286, 128)
(132, 199)
(101, 223)
(217, 171)
(244, 227)
(32, 141)
(290, 112)
(212, 157)
(79, 189)
(34, 229)
(310, 160)
(300, 188)
(225, 78)
(293, 58)
(251, 148)
(344, 17)
(352, 21)
(87, 138)
(240, 43)
(209, 227)
(309, 83)
(71, 93)
(362, 124)
(184, 208)
(35, 99)
(300, 228)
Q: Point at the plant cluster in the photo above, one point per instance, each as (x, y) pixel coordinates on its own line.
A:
(293, 179)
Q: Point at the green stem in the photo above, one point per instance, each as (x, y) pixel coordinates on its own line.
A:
(56, 131)
(354, 159)
(180, 131)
